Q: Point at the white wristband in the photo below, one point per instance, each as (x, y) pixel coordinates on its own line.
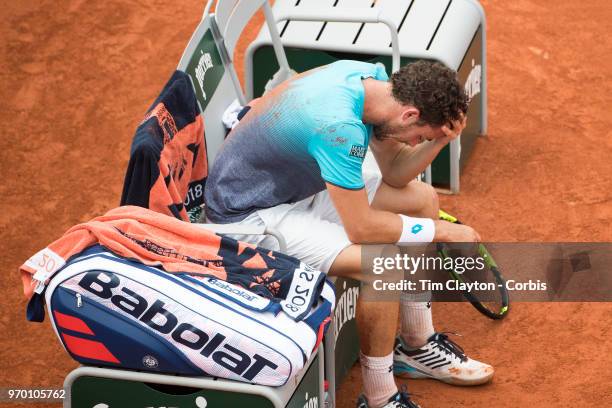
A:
(416, 230)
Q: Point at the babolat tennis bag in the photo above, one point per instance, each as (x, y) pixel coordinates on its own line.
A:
(110, 311)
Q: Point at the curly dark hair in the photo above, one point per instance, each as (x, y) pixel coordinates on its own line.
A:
(433, 89)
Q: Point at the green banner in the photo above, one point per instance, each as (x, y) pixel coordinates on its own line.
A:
(95, 392)
(205, 69)
(307, 393)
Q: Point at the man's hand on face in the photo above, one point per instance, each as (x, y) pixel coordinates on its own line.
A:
(453, 129)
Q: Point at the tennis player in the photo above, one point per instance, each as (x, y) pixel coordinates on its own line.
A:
(298, 162)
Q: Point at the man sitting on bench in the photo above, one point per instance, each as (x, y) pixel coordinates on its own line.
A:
(295, 162)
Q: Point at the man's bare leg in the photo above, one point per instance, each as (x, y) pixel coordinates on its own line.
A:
(420, 200)
(417, 200)
(376, 321)
(377, 327)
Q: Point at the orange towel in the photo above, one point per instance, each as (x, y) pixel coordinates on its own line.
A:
(176, 246)
(168, 164)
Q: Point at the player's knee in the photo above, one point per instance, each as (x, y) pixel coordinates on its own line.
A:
(430, 203)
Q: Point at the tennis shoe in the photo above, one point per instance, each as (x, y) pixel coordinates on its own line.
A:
(440, 359)
(400, 399)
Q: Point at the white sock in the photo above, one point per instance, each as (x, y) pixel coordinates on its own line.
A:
(378, 382)
(417, 324)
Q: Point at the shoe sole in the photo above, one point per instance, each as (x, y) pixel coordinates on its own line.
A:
(409, 372)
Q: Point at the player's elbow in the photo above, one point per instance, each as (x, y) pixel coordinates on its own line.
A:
(359, 233)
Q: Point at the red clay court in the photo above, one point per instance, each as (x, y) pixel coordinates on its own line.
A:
(78, 76)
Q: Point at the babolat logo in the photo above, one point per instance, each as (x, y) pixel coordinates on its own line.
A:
(231, 289)
(107, 285)
(358, 151)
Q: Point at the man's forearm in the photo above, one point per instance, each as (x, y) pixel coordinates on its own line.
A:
(411, 162)
(384, 227)
(366, 225)
(378, 227)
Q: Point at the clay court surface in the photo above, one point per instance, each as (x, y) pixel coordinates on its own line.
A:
(77, 77)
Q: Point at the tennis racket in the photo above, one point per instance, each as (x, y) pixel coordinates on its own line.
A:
(493, 304)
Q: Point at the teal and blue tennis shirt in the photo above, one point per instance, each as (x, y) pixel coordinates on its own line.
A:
(294, 139)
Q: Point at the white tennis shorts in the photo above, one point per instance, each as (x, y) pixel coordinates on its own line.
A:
(311, 227)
